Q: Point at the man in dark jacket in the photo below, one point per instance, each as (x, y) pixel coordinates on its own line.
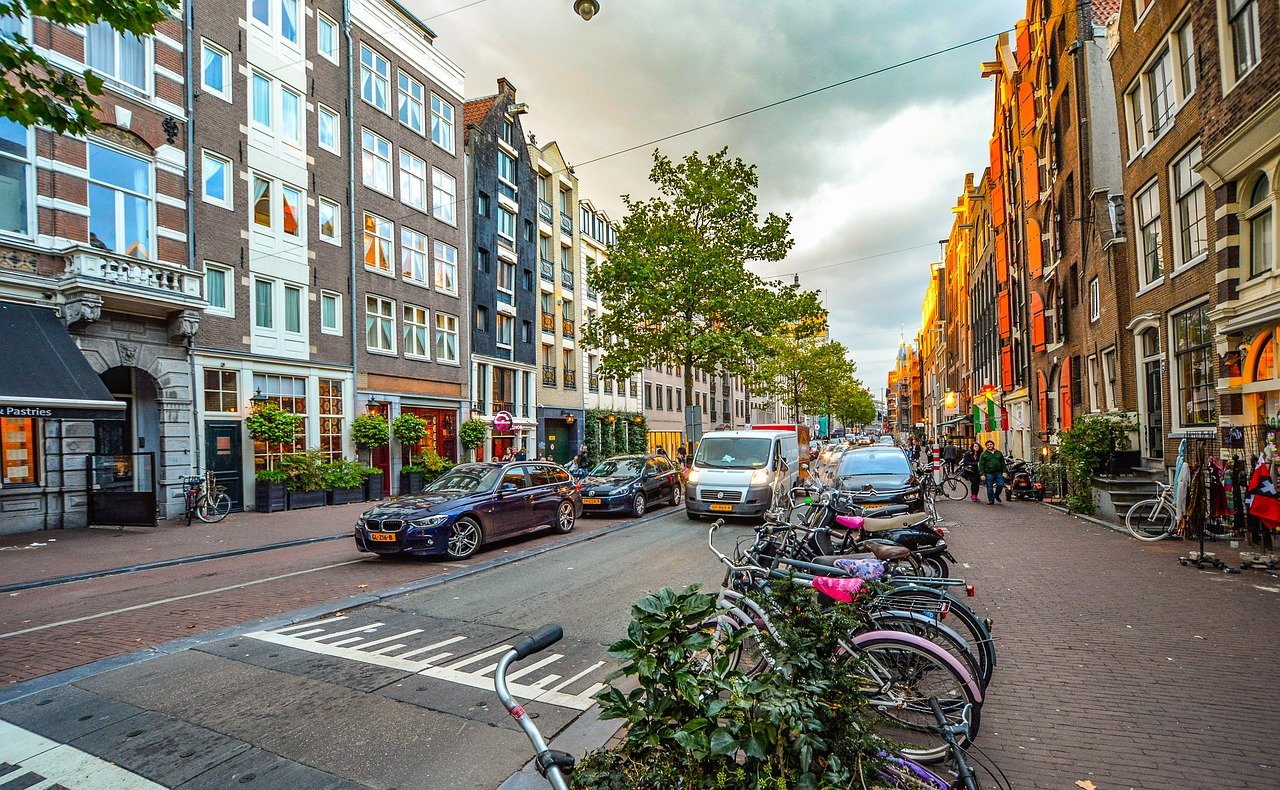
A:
(992, 467)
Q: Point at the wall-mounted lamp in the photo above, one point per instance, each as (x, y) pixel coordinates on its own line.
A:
(258, 398)
(568, 417)
(372, 403)
(611, 418)
(586, 9)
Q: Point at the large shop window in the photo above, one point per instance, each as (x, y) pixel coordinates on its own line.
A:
(120, 202)
(15, 175)
(1193, 358)
(290, 394)
(18, 445)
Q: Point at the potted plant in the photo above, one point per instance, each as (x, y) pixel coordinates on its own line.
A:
(344, 480)
(270, 424)
(304, 479)
(433, 465)
(472, 434)
(409, 430)
(369, 432)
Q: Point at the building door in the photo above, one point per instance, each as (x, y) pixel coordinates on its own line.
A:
(1155, 409)
(222, 449)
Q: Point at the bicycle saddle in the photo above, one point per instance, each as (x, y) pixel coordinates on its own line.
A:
(839, 589)
(893, 522)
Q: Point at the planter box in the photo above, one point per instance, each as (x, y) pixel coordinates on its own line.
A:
(345, 496)
(373, 487)
(304, 499)
(269, 497)
(411, 483)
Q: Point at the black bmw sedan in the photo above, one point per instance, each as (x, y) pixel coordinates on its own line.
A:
(631, 484)
(880, 480)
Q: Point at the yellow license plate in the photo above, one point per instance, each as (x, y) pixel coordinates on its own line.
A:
(873, 506)
(382, 537)
(590, 501)
(722, 508)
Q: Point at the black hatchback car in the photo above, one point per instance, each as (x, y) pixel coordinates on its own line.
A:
(630, 484)
(470, 505)
(880, 480)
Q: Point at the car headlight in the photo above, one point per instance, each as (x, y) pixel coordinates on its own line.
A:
(694, 475)
(759, 477)
(428, 521)
(361, 523)
(911, 496)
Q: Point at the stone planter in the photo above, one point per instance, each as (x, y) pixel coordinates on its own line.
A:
(304, 499)
(411, 483)
(374, 485)
(269, 497)
(345, 496)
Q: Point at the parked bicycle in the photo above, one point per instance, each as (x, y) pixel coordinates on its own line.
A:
(205, 499)
(1156, 518)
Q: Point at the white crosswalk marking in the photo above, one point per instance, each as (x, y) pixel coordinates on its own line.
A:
(368, 628)
(432, 647)
(59, 764)
(386, 639)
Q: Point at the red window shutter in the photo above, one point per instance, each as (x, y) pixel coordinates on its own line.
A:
(1030, 176)
(1037, 322)
(1002, 308)
(1064, 393)
(997, 206)
(1026, 107)
(1006, 368)
(997, 156)
(1043, 388)
(1002, 259)
(1022, 44)
(1035, 248)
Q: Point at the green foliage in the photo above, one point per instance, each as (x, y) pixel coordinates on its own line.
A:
(608, 441)
(370, 431)
(702, 724)
(273, 425)
(430, 464)
(472, 433)
(304, 471)
(675, 283)
(637, 434)
(591, 434)
(270, 476)
(808, 376)
(621, 444)
(342, 474)
(409, 429)
(1083, 450)
(37, 93)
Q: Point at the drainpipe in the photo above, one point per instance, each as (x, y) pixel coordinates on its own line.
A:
(351, 197)
(189, 78)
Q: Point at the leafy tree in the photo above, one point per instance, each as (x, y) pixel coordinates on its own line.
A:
(854, 406)
(409, 429)
(273, 425)
(36, 92)
(803, 374)
(676, 284)
(369, 431)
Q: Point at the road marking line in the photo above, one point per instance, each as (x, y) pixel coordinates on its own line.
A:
(534, 667)
(347, 641)
(433, 647)
(386, 639)
(370, 627)
(164, 601)
(543, 683)
(309, 632)
(579, 676)
(480, 657)
(382, 650)
(61, 764)
(289, 628)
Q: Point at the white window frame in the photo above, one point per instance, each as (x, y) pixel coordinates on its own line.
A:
(321, 20)
(1095, 300)
(1091, 366)
(1249, 221)
(227, 77)
(150, 196)
(414, 255)
(253, 204)
(413, 173)
(406, 98)
(378, 71)
(371, 158)
(504, 234)
(148, 61)
(1156, 87)
(228, 290)
(446, 325)
(413, 311)
(257, 78)
(301, 219)
(1109, 374)
(445, 263)
(390, 316)
(1174, 371)
(1140, 239)
(1227, 44)
(503, 320)
(321, 112)
(27, 162)
(228, 180)
(444, 203)
(1181, 260)
(336, 238)
(389, 239)
(302, 312)
(256, 301)
(274, 22)
(442, 111)
(336, 298)
(294, 136)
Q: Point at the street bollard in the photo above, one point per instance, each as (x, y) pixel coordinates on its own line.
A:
(937, 464)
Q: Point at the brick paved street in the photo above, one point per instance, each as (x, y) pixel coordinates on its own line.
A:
(1117, 665)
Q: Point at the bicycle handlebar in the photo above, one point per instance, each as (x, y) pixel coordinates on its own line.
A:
(539, 640)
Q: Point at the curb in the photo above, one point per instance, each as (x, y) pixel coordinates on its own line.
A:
(68, 676)
(1113, 527)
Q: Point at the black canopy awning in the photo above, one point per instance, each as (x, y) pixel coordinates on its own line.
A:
(42, 372)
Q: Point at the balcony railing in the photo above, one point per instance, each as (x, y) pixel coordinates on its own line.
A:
(593, 383)
(507, 190)
(509, 244)
(544, 211)
(608, 386)
(506, 297)
(570, 379)
(566, 279)
(548, 322)
(548, 270)
(592, 295)
(566, 328)
(566, 223)
(156, 288)
(548, 375)
(508, 406)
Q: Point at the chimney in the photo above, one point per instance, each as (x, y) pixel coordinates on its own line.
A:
(505, 86)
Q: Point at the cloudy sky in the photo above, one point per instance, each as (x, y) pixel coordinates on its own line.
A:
(865, 169)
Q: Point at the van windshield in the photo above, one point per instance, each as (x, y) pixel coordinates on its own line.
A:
(740, 452)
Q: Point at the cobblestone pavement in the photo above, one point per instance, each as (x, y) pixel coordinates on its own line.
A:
(1118, 666)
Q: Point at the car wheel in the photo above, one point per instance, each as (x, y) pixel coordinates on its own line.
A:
(675, 495)
(565, 517)
(465, 539)
(637, 504)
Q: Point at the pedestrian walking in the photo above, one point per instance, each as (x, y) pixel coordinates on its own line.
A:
(913, 452)
(992, 466)
(951, 456)
(969, 466)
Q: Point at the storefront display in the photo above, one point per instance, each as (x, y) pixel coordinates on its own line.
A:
(18, 442)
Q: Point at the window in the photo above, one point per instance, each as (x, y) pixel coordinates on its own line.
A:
(446, 337)
(1092, 364)
(1095, 300)
(293, 309)
(263, 303)
(379, 324)
(442, 123)
(215, 70)
(291, 211)
(260, 99)
(410, 102)
(326, 37)
(290, 394)
(261, 202)
(482, 204)
(261, 11)
(443, 192)
(123, 57)
(331, 418)
(506, 223)
(526, 280)
(1188, 195)
(506, 280)
(482, 318)
(15, 177)
(482, 260)
(217, 289)
(504, 325)
(1186, 59)
(330, 313)
(506, 168)
(648, 395)
(446, 258)
(1159, 79)
(1194, 367)
(1137, 120)
(1148, 220)
(18, 443)
(375, 79)
(289, 20)
(1109, 378)
(413, 256)
(377, 243)
(327, 129)
(526, 332)
(1261, 228)
(375, 159)
(330, 221)
(413, 180)
(415, 331)
(1242, 19)
(221, 391)
(658, 399)
(120, 210)
(216, 178)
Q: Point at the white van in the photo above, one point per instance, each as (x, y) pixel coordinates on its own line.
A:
(736, 473)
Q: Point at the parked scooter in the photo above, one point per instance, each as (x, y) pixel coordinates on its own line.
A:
(913, 531)
(1022, 481)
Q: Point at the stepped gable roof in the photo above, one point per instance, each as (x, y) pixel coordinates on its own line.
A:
(474, 112)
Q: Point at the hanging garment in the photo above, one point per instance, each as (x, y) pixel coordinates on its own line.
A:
(1181, 486)
(1218, 504)
(1263, 502)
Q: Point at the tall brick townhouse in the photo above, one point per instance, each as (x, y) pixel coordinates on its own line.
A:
(99, 293)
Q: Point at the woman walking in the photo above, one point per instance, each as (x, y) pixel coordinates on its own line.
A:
(969, 467)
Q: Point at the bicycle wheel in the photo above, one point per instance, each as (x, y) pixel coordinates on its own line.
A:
(1149, 520)
(902, 675)
(955, 488)
(942, 606)
(216, 510)
(926, 627)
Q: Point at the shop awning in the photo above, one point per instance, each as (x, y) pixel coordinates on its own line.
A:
(42, 372)
(955, 421)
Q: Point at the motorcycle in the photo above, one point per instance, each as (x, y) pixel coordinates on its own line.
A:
(1023, 483)
(912, 531)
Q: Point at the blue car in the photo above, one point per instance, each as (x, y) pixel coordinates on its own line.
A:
(469, 506)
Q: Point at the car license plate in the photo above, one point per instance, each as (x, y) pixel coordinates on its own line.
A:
(382, 537)
(722, 508)
(873, 506)
(590, 501)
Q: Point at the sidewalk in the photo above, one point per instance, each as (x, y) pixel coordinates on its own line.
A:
(43, 555)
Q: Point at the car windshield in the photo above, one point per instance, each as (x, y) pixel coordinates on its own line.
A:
(619, 467)
(469, 478)
(738, 452)
(874, 462)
